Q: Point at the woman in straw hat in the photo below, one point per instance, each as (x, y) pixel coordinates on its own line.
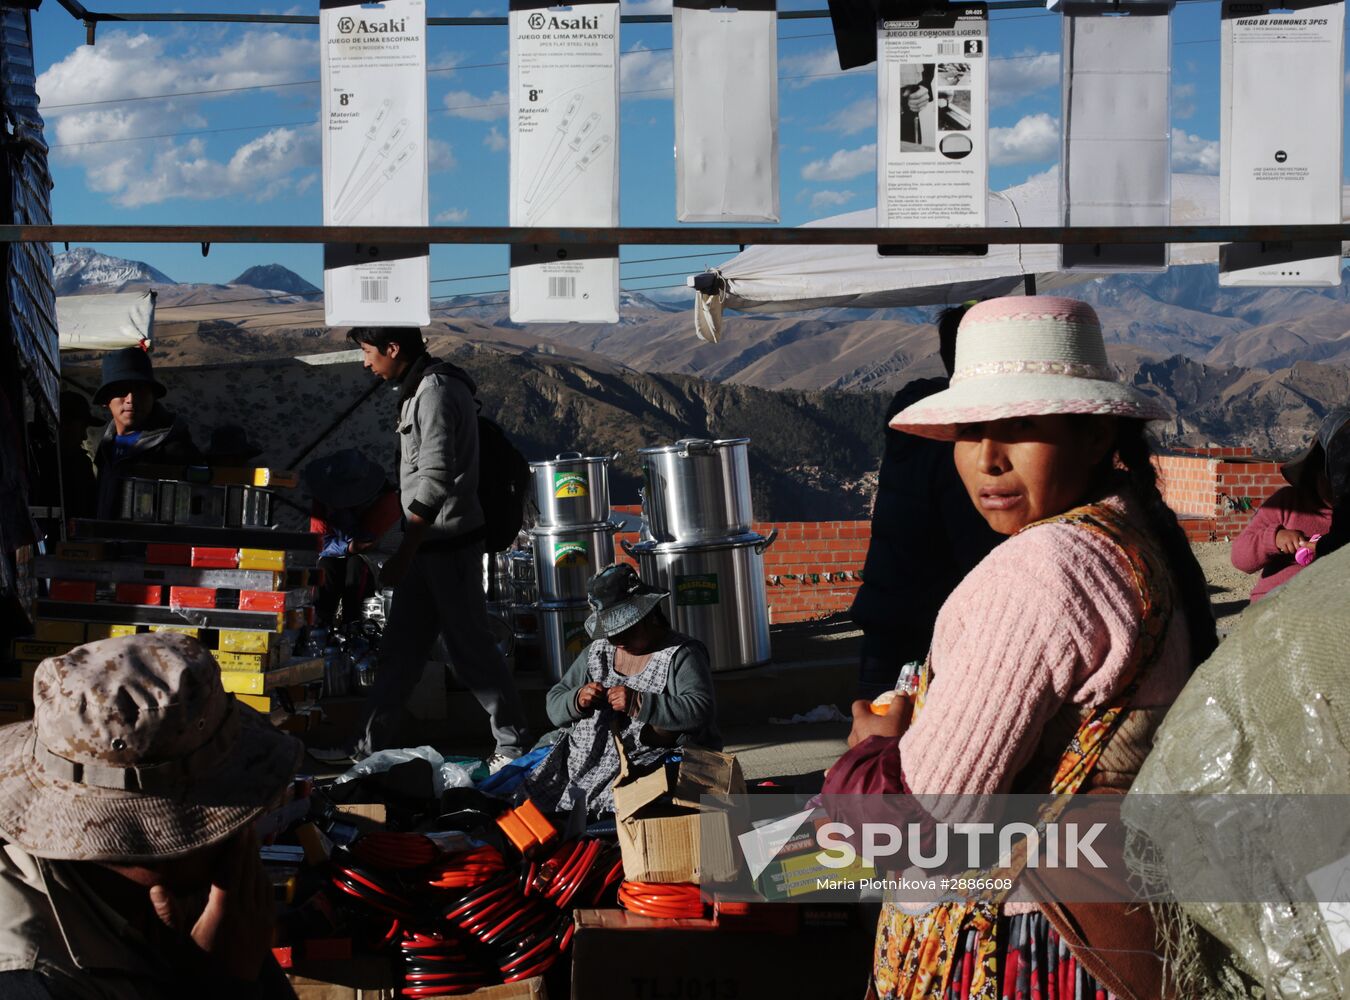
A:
(1055, 659)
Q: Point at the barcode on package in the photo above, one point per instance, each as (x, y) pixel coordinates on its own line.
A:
(374, 289)
(949, 48)
(562, 288)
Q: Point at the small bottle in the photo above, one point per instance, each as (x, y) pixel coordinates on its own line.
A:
(906, 686)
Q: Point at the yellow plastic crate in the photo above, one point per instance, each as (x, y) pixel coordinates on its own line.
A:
(243, 641)
(241, 682)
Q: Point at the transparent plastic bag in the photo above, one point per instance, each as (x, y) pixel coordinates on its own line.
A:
(446, 774)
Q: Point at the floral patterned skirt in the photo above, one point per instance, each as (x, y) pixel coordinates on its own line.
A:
(1024, 960)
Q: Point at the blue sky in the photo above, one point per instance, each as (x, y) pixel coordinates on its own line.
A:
(255, 158)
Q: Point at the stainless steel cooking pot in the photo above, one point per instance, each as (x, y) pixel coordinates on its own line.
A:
(571, 489)
(566, 558)
(717, 594)
(697, 491)
(562, 628)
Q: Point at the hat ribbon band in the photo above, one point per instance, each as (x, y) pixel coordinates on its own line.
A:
(165, 776)
(1073, 369)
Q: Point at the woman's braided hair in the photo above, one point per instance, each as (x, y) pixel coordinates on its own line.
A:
(1135, 454)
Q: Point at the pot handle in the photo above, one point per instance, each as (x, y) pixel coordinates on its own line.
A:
(690, 446)
(627, 547)
(762, 546)
(566, 454)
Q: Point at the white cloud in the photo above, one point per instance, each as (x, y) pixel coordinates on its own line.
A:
(859, 116)
(1183, 100)
(1034, 139)
(452, 216)
(440, 156)
(126, 64)
(1014, 78)
(830, 199)
(463, 104)
(842, 165)
(494, 140)
(806, 68)
(1191, 154)
(646, 74)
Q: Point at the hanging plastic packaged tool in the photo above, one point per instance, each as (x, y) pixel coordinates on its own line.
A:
(933, 123)
(1116, 158)
(564, 98)
(374, 114)
(726, 110)
(1280, 136)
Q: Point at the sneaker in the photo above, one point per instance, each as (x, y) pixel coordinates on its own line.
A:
(336, 755)
(497, 761)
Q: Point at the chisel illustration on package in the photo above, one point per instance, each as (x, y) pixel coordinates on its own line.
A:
(365, 196)
(371, 134)
(555, 144)
(381, 155)
(569, 178)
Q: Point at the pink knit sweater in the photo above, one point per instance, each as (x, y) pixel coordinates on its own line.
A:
(1254, 550)
(1049, 617)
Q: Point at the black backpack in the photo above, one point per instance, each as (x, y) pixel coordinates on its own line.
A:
(503, 472)
(503, 483)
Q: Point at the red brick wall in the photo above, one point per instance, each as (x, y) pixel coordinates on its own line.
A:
(1215, 490)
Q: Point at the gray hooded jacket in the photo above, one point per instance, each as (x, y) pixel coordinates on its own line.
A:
(438, 450)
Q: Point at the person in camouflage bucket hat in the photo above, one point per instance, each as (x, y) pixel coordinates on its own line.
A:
(128, 858)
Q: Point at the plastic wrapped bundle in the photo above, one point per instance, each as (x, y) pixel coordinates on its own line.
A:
(1238, 815)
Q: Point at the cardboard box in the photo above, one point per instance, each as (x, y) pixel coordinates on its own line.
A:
(27, 650)
(667, 832)
(158, 554)
(79, 591)
(18, 686)
(139, 593)
(81, 551)
(243, 641)
(191, 630)
(54, 630)
(272, 559)
(214, 558)
(15, 711)
(619, 956)
(192, 597)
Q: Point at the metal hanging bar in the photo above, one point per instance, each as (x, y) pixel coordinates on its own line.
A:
(92, 18)
(670, 235)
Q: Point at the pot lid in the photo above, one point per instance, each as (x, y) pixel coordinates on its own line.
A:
(699, 443)
(574, 529)
(742, 540)
(569, 458)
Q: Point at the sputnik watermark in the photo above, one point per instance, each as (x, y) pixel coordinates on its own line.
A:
(1053, 846)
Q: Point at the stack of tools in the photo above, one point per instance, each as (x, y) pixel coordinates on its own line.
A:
(202, 496)
(573, 540)
(245, 593)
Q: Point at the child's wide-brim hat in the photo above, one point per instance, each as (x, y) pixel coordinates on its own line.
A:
(1028, 356)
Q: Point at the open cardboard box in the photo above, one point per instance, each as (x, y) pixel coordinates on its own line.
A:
(671, 832)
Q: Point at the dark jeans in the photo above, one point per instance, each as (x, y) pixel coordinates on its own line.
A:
(442, 594)
(346, 580)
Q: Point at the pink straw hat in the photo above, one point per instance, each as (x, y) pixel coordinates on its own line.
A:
(1027, 356)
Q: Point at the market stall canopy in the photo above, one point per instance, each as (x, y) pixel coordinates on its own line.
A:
(105, 322)
(772, 278)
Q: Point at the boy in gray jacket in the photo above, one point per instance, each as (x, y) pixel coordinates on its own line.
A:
(437, 571)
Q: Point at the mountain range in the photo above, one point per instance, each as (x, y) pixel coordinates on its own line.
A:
(1254, 367)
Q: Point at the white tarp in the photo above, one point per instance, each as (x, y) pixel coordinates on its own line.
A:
(773, 278)
(105, 322)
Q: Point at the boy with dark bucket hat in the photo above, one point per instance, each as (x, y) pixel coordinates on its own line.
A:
(128, 860)
(141, 431)
(638, 679)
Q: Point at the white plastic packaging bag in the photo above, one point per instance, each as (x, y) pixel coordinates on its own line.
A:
(726, 110)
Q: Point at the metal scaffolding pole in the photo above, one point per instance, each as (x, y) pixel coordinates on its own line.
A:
(671, 235)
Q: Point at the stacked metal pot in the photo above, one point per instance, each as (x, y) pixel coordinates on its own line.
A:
(514, 597)
(573, 540)
(703, 549)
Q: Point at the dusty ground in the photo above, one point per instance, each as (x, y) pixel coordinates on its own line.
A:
(1229, 588)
